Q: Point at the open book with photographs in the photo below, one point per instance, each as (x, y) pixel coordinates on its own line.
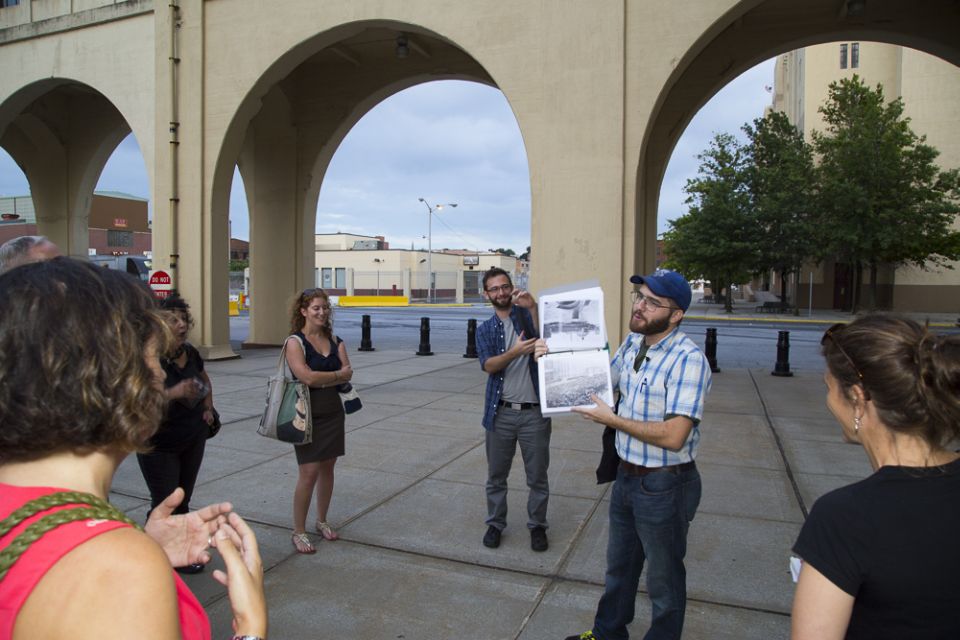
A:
(578, 361)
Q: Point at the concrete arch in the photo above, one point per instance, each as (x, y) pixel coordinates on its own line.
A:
(288, 132)
(749, 33)
(62, 133)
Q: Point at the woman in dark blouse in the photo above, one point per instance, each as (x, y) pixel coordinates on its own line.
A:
(176, 450)
(318, 358)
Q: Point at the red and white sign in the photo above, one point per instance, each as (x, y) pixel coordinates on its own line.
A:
(161, 283)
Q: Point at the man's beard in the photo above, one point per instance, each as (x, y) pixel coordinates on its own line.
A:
(502, 302)
(649, 327)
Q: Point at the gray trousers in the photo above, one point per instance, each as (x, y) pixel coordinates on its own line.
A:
(532, 431)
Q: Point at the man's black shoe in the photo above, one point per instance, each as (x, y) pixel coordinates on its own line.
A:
(190, 569)
(492, 537)
(538, 539)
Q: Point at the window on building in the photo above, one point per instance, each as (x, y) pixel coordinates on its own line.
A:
(855, 55)
(326, 277)
(341, 278)
(843, 56)
(9, 3)
(119, 238)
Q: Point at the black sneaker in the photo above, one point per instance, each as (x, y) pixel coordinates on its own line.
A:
(538, 539)
(190, 569)
(492, 537)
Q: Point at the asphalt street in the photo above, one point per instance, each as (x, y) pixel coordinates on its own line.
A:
(740, 345)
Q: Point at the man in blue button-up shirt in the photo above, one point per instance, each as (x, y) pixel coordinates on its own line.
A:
(511, 411)
(663, 379)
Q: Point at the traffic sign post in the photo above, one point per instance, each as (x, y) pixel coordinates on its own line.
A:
(161, 284)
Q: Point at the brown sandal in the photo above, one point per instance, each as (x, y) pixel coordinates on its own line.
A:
(327, 531)
(302, 543)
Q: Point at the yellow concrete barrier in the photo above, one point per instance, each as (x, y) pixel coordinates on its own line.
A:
(374, 301)
(234, 308)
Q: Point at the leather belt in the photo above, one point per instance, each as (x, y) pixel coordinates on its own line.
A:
(639, 470)
(517, 406)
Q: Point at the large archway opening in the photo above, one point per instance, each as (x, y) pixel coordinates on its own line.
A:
(754, 32)
(286, 133)
(71, 159)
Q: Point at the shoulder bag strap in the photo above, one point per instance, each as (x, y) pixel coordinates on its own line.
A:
(93, 509)
(283, 368)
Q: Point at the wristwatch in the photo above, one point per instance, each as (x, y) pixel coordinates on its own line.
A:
(246, 638)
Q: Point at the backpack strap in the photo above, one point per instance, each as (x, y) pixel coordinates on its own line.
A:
(93, 509)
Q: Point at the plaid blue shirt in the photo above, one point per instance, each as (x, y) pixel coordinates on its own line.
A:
(492, 342)
(673, 380)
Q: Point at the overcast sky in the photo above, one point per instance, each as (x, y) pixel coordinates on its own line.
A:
(445, 141)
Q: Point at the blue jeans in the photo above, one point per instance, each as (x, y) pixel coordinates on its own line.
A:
(649, 519)
(532, 431)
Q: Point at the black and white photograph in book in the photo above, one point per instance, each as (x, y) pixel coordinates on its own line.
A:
(568, 379)
(573, 324)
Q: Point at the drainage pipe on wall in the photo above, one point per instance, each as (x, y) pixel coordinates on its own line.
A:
(174, 139)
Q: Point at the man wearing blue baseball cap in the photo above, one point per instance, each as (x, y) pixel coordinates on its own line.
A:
(662, 378)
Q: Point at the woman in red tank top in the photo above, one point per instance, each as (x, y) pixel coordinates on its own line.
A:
(80, 388)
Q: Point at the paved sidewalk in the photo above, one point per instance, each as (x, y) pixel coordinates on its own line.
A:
(409, 504)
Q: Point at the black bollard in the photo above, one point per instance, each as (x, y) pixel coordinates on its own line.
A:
(424, 338)
(782, 368)
(711, 349)
(471, 339)
(365, 343)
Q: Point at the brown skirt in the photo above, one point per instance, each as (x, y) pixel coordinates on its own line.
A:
(328, 431)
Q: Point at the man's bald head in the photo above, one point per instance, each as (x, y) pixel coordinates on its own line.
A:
(26, 249)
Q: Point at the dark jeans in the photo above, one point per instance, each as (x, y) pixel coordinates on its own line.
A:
(649, 519)
(532, 431)
(168, 469)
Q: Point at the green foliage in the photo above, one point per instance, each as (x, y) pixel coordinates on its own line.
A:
(713, 241)
(506, 252)
(872, 197)
(885, 199)
(239, 265)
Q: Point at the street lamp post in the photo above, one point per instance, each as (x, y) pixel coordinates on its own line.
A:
(430, 241)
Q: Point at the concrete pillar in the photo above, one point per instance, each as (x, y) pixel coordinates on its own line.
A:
(349, 282)
(406, 283)
(460, 286)
(268, 163)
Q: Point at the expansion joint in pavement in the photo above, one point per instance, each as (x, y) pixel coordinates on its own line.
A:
(783, 454)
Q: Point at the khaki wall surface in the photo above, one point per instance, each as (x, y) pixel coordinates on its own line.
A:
(601, 92)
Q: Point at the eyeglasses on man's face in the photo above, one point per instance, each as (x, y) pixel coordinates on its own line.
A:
(505, 288)
(650, 303)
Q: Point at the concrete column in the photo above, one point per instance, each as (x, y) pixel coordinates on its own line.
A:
(268, 163)
(460, 286)
(406, 283)
(349, 282)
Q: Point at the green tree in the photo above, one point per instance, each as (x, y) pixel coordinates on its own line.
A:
(506, 252)
(885, 200)
(714, 239)
(780, 180)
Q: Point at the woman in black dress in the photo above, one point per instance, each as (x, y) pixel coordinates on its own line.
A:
(176, 450)
(318, 358)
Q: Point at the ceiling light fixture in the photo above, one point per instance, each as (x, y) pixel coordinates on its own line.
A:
(403, 47)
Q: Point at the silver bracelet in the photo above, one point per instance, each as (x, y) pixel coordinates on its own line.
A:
(246, 638)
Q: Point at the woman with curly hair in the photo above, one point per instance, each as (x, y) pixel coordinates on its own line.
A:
(319, 359)
(81, 386)
(880, 556)
(176, 449)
